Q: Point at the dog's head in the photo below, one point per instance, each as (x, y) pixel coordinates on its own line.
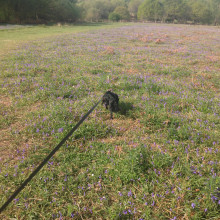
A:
(105, 100)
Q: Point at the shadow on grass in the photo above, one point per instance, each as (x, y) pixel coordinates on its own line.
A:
(124, 107)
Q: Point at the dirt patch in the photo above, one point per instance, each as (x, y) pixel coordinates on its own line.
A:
(126, 130)
(125, 125)
(5, 101)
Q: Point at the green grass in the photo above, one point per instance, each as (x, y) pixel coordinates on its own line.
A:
(15, 37)
(157, 159)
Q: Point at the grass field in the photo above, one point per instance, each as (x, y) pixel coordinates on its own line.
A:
(157, 159)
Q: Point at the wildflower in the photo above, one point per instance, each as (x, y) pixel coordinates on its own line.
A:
(193, 205)
(16, 200)
(26, 205)
(130, 193)
(60, 130)
(214, 198)
(125, 212)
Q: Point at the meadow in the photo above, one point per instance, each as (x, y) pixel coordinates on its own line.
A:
(157, 159)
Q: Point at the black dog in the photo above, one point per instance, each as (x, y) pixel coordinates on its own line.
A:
(110, 100)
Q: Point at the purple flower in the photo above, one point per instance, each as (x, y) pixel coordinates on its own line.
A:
(60, 130)
(125, 212)
(130, 193)
(16, 200)
(214, 198)
(102, 198)
(193, 205)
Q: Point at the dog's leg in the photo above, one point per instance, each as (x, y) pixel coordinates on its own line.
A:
(116, 106)
(111, 105)
(111, 115)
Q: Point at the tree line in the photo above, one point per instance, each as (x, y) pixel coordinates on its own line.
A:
(44, 11)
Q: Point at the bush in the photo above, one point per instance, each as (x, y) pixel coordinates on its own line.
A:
(114, 17)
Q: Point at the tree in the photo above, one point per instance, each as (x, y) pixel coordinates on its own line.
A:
(175, 10)
(94, 10)
(93, 14)
(201, 13)
(116, 3)
(151, 10)
(104, 7)
(6, 10)
(63, 10)
(215, 9)
(133, 7)
(114, 17)
(123, 13)
(38, 10)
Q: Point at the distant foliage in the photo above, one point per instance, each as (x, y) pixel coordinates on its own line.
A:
(123, 13)
(114, 17)
(38, 11)
(43, 11)
(151, 10)
(181, 11)
(133, 7)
